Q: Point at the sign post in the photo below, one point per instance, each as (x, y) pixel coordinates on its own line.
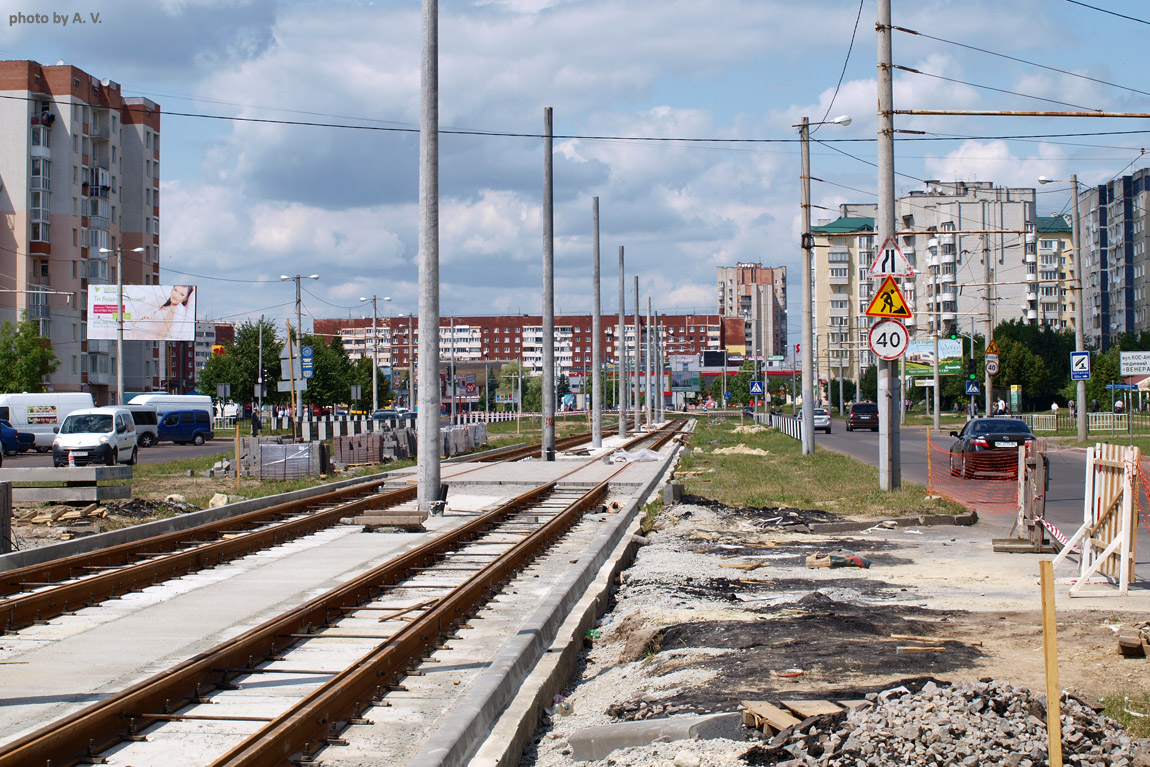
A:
(1080, 367)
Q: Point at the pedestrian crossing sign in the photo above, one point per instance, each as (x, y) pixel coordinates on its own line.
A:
(888, 302)
(756, 387)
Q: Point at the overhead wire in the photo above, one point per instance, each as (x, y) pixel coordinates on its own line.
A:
(846, 60)
(1111, 13)
(919, 72)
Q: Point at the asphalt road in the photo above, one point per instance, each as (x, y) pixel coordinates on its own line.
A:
(1064, 495)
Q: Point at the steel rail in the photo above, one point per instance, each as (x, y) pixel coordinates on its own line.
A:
(80, 736)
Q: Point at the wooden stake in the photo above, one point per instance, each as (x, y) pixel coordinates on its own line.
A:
(1050, 650)
(237, 451)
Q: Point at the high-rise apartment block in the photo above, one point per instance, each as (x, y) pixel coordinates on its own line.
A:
(79, 173)
(758, 295)
(979, 252)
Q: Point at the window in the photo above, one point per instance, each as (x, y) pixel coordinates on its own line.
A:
(839, 257)
(41, 173)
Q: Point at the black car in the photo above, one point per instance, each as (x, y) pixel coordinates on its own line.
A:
(988, 447)
(863, 415)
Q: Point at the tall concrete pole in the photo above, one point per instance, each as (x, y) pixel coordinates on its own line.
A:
(660, 366)
(806, 340)
(410, 361)
(986, 277)
(596, 331)
(638, 358)
(548, 437)
(299, 343)
(889, 460)
(374, 357)
(1079, 312)
(621, 349)
(428, 439)
(650, 364)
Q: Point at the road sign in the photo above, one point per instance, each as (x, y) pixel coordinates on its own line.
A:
(888, 339)
(1079, 366)
(775, 357)
(306, 361)
(470, 389)
(991, 365)
(1122, 387)
(300, 385)
(756, 387)
(1135, 363)
(888, 302)
(728, 394)
(223, 391)
(972, 387)
(356, 391)
(992, 348)
(889, 261)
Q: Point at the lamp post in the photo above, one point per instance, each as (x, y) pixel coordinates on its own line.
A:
(807, 350)
(1079, 311)
(120, 319)
(374, 351)
(298, 330)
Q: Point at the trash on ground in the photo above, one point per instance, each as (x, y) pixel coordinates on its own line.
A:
(837, 559)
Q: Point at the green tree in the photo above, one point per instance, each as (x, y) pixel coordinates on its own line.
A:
(331, 372)
(1019, 366)
(239, 365)
(869, 384)
(26, 357)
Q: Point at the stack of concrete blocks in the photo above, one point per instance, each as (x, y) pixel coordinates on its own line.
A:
(461, 439)
(293, 461)
(362, 448)
(250, 453)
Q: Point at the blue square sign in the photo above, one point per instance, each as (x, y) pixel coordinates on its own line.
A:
(972, 387)
(756, 387)
(1079, 366)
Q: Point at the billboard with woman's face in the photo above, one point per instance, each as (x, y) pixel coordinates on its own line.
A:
(151, 312)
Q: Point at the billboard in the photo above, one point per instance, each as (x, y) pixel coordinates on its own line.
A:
(920, 357)
(151, 312)
(685, 372)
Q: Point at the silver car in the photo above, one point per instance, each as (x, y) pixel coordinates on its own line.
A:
(822, 419)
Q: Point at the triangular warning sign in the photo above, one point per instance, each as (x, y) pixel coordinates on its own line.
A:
(889, 260)
(992, 347)
(888, 302)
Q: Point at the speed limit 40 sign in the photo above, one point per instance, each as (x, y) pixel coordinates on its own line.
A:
(888, 339)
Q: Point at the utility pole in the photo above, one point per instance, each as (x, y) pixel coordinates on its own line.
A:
(650, 363)
(807, 428)
(410, 361)
(1079, 311)
(621, 349)
(596, 331)
(889, 460)
(548, 433)
(428, 440)
(989, 308)
(638, 358)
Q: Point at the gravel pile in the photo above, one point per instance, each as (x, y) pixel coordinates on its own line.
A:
(970, 723)
(140, 508)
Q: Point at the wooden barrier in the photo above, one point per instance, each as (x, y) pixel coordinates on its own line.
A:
(1109, 531)
(81, 483)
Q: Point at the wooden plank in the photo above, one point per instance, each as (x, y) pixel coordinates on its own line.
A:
(1050, 655)
(934, 640)
(854, 705)
(769, 714)
(916, 650)
(809, 708)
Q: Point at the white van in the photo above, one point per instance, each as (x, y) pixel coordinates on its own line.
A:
(167, 403)
(40, 414)
(104, 435)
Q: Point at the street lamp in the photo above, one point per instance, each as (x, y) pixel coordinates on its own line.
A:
(374, 352)
(120, 319)
(1080, 299)
(298, 330)
(808, 425)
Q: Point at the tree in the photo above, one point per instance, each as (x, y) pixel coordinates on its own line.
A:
(869, 384)
(1018, 365)
(26, 357)
(239, 365)
(331, 372)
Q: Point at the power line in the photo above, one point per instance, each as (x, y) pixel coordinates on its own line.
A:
(842, 74)
(1112, 13)
(993, 89)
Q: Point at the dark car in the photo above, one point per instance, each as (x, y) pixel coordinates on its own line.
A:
(988, 447)
(394, 417)
(184, 426)
(13, 441)
(749, 412)
(863, 415)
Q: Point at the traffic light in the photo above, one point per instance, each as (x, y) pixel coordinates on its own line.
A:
(971, 369)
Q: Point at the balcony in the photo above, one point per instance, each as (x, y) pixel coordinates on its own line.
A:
(1031, 295)
(946, 238)
(840, 279)
(1031, 314)
(949, 317)
(949, 295)
(38, 311)
(98, 222)
(949, 258)
(100, 132)
(947, 277)
(101, 160)
(39, 183)
(932, 243)
(933, 261)
(1031, 277)
(1030, 258)
(840, 311)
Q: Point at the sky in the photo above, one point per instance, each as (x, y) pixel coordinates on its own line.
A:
(678, 115)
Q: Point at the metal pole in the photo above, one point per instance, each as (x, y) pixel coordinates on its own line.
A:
(989, 379)
(621, 349)
(120, 324)
(548, 430)
(937, 320)
(660, 364)
(410, 361)
(807, 429)
(451, 357)
(596, 330)
(890, 464)
(299, 343)
(428, 439)
(649, 364)
(1079, 311)
(374, 358)
(638, 359)
(260, 371)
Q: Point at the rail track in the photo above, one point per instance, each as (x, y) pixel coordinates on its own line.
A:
(37, 593)
(387, 620)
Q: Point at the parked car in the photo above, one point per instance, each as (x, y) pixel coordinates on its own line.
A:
(863, 415)
(95, 435)
(749, 412)
(14, 441)
(822, 418)
(394, 417)
(184, 426)
(988, 447)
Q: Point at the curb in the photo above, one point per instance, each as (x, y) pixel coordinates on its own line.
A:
(923, 520)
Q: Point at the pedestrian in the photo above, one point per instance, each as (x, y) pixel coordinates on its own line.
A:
(1070, 407)
(1117, 406)
(1000, 407)
(1054, 409)
(1093, 404)
(255, 422)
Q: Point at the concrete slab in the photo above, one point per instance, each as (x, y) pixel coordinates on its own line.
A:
(596, 743)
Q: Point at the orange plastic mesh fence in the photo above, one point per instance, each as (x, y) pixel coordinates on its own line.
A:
(985, 481)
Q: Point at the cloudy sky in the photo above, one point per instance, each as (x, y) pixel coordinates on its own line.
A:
(244, 201)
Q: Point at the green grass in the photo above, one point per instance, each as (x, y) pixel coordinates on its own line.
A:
(784, 477)
(1116, 705)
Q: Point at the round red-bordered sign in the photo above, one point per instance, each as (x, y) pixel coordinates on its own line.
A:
(888, 339)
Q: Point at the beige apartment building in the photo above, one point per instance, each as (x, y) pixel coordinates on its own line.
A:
(979, 254)
(758, 295)
(79, 172)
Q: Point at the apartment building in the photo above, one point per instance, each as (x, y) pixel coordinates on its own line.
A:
(520, 337)
(1056, 253)
(758, 294)
(79, 174)
(185, 359)
(1114, 247)
(974, 249)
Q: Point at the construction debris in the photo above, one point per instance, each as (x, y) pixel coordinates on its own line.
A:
(837, 559)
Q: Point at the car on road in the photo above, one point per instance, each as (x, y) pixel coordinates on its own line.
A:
(95, 435)
(822, 418)
(988, 447)
(863, 415)
(394, 417)
(184, 426)
(14, 441)
(749, 412)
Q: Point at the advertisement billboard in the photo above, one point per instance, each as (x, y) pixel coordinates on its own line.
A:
(151, 312)
(920, 357)
(685, 373)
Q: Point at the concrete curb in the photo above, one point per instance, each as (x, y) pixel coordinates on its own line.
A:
(500, 712)
(922, 520)
(161, 526)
